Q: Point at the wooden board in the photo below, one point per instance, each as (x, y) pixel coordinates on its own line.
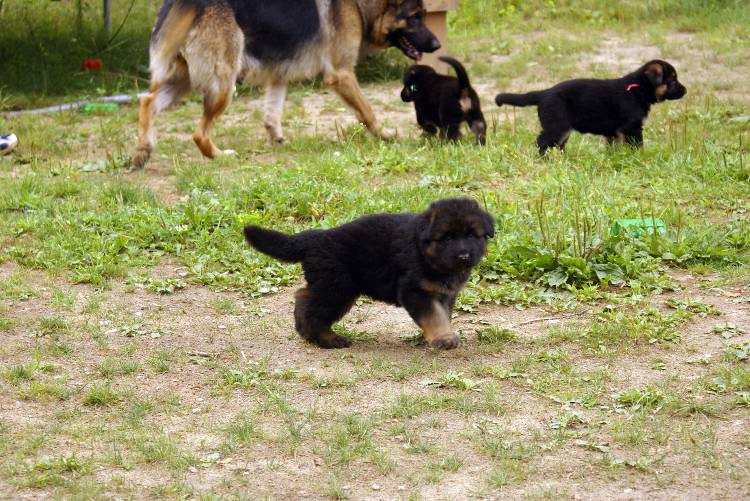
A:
(437, 22)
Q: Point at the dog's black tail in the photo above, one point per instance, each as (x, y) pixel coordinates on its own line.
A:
(528, 99)
(463, 78)
(289, 248)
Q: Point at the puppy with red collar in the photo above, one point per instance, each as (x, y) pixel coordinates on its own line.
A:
(614, 108)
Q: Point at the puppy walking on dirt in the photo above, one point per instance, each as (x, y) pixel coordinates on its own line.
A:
(418, 261)
(443, 102)
(616, 109)
(205, 45)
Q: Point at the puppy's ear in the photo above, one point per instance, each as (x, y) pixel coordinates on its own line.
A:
(488, 225)
(655, 74)
(427, 229)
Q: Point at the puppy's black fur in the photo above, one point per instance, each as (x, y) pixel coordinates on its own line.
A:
(444, 102)
(416, 260)
(614, 108)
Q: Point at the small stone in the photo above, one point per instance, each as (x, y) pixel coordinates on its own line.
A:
(401, 488)
(375, 487)
(196, 410)
(222, 327)
(193, 469)
(138, 313)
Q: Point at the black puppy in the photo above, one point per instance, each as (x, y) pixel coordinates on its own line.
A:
(418, 261)
(443, 102)
(616, 109)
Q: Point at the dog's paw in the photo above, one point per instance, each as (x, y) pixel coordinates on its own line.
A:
(446, 343)
(332, 340)
(387, 135)
(140, 156)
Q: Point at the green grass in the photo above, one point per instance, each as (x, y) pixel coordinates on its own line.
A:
(110, 367)
(100, 395)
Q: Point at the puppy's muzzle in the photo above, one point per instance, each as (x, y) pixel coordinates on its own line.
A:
(678, 92)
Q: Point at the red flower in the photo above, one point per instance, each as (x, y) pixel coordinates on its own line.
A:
(92, 64)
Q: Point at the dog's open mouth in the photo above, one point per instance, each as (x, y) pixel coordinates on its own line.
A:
(408, 49)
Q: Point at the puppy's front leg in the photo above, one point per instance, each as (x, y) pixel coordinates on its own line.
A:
(433, 317)
(634, 137)
(344, 82)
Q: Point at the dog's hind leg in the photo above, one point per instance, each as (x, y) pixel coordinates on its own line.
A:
(478, 126)
(169, 74)
(556, 127)
(146, 138)
(551, 138)
(213, 106)
(213, 53)
(275, 96)
(316, 310)
(162, 95)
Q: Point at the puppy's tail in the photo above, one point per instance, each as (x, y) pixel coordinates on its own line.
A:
(463, 78)
(283, 247)
(170, 32)
(528, 99)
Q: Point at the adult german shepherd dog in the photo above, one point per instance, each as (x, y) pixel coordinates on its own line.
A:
(207, 45)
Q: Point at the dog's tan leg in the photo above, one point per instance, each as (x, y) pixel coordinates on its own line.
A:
(213, 106)
(162, 95)
(145, 145)
(344, 82)
(275, 96)
(436, 326)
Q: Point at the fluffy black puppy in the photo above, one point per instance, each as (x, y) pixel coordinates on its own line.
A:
(616, 109)
(443, 102)
(418, 261)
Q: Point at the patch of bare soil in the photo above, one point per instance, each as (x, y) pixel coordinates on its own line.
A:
(333, 383)
(701, 69)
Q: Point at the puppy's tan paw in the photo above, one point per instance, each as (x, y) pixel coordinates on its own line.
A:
(446, 343)
(332, 340)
